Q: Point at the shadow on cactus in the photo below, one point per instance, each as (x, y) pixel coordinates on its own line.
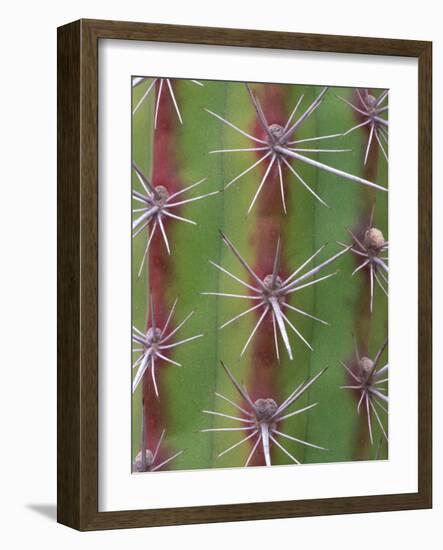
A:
(240, 275)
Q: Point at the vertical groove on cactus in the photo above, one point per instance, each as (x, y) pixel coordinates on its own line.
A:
(218, 248)
(232, 338)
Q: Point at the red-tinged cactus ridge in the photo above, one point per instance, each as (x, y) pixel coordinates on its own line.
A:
(161, 208)
(270, 259)
(271, 210)
(160, 269)
(370, 256)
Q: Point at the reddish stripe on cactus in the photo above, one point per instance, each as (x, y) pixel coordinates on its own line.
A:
(161, 268)
(363, 317)
(269, 223)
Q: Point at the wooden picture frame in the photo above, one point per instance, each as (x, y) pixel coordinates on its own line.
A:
(78, 274)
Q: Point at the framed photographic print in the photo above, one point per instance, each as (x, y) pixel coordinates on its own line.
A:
(244, 278)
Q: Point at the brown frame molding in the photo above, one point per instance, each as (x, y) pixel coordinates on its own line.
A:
(77, 173)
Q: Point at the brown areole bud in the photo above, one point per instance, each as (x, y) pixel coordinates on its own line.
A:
(265, 409)
(137, 466)
(366, 366)
(374, 239)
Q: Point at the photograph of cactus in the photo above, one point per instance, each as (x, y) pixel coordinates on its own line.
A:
(259, 274)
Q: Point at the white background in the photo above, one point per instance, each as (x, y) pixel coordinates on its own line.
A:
(28, 276)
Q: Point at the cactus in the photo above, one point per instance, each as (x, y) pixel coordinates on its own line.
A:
(268, 270)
